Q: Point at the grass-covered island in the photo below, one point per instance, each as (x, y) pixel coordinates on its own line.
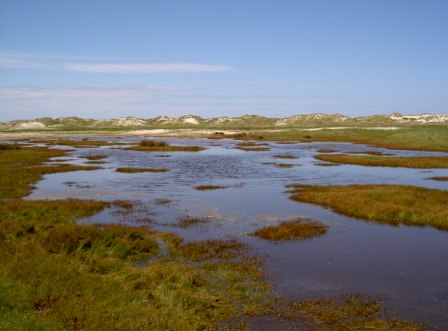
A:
(390, 204)
(162, 146)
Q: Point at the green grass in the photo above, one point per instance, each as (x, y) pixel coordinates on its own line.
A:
(135, 170)
(292, 230)
(19, 168)
(390, 204)
(428, 138)
(387, 161)
(55, 274)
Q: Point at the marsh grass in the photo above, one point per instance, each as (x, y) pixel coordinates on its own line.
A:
(162, 146)
(94, 157)
(162, 201)
(251, 144)
(56, 274)
(427, 138)
(285, 165)
(9, 147)
(440, 178)
(390, 204)
(20, 168)
(209, 187)
(284, 156)
(212, 250)
(190, 221)
(136, 170)
(327, 164)
(387, 161)
(351, 312)
(95, 162)
(292, 230)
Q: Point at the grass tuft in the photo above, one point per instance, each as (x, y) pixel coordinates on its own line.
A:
(190, 221)
(209, 187)
(292, 230)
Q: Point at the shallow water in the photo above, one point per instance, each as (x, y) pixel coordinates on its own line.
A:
(406, 265)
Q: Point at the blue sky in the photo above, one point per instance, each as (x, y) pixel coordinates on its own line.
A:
(110, 58)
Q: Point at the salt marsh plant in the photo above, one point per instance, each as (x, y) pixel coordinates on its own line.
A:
(390, 204)
(292, 230)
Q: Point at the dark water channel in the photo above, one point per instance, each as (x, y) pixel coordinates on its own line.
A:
(408, 266)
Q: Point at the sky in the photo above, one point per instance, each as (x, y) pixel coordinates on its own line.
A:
(145, 58)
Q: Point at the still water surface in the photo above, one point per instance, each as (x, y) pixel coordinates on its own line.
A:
(408, 266)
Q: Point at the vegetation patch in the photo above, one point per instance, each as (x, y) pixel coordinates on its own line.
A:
(425, 138)
(134, 170)
(162, 146)
(387, 161)
(292, 230)
(440, 178)
(162, 201)
(209, 187)
(327, 164)
(190, 221)
(285, 165)
(351, 312)
(95, 162)
(390, 204)
(284, 156)
(9, 147)
(94, 157)
(19, 168)
(212, 250)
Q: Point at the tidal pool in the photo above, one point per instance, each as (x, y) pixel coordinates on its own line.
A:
(407, 266)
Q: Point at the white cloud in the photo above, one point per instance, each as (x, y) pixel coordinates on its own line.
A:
(83, 92)
(147, 68)
(18, 60)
